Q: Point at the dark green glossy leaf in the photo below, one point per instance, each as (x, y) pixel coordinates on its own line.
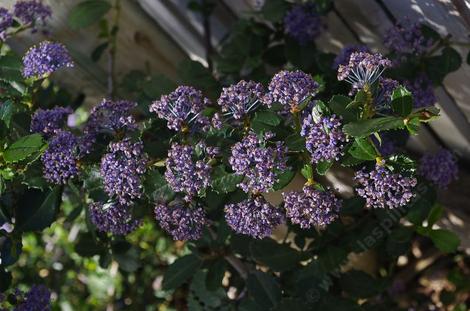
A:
(363, 149)
(322, 167)
(6, 112)
(402, 101)
(267, 117)
(274, 10)
(180, 271)
(284, 179)
(98, 51)
(87, 13)
(264, 289)
(365, 128)
(338, 104)
(215, 274)
(156, 187)
(279, 257)
(224, 182)
(445, 240)
(360, 285)
(23, 147)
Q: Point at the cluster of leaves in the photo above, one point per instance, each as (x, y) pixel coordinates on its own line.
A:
(306, 270)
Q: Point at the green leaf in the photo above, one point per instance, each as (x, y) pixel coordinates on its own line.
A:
(10, 68)
(284, 179)
(32, 215)
(438, 67)
(180, 271)
(338, 104)
(402, 101)
(23, 147)
(98, 51)
(267, 117)
(195, 74)
(274, 10)
(87, 13)
(156, 188)
(224, 182)
(332, 257)
(322, 167)
(6, 112)
(413, 125)
(360, 285)
(365, 128)
(216, 274)
(435, 214)
(363, 149)
(307, 171)
(445, 240)
(264, 289)
(295, 142)
(279, 257)
(5, 280)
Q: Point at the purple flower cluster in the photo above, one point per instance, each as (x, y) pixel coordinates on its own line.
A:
(303, 23)
(384, 92)
(439, 168)
(325, 139)
(363, 69)
(422, 90)
(382, 188)
(44, 59)
(108, 116)
(112, 218)
(6, 20)
(406, 38)
(259, 163)
(345, 54)
(30, 12)
(38, 298)
(49, 121)
(240, 99)
(60, 158)
(290, 89)
(254, 217)
(182, 222)
(185, 174)
(311, 207)
(122, 169)
(182, 109)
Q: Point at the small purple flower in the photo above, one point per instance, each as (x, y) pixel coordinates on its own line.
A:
(182, 222)
(385, 90)
(217, 121)
(45, 59)
(60, 158)
(422, 90)
(112, 218)
(183, 109)
(31, 12)
(406, 38)
(363, 69)
(49, 121)
(345, 54)
(6, 20)
(303, 23)
(439, 168)
(311, 207)
(382, 188)
(290, 89)
(259, 163)
(38, 298)
(324, 139)
(184, 173)
(240, 99)
(122, 169)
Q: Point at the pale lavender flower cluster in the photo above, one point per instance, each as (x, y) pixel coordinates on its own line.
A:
(254, 217)
(49, 121)
(182, 222)
(345, 54)
(439, 168)
(182, 109)
(303, 23)
(45, 59)
(112, 218)
(122, 169)
(422, 90)
(60, 158)
(38, 298)
(6, 20)
(30, 12)
(311, 207)
(240, 99)
(324, 139)
(184, 173)
(363, 69)
(406, 38)
(259, 163)
(290, 89)
(384, 93)
(383, 188)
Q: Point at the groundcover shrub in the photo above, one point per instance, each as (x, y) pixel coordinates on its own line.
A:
(159, 195)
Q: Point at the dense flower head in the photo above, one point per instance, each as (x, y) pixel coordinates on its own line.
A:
(182, 109)
(259, 163)
(112, 218)
(49, 121)
(290, 89)
(407, 38)
(345, 54)
(363, 69)
(325, 138)
(30, 12)
(383, 188)
(60, 159)
(385, 90)
(6, 20)
(38, 298)
(439, 168)
(184, 173)
(239, 99)
(181, 221)
(422, 90)
(121, 170)
(303, 23)
(254, 216)
(311, 207)
(45, 59)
